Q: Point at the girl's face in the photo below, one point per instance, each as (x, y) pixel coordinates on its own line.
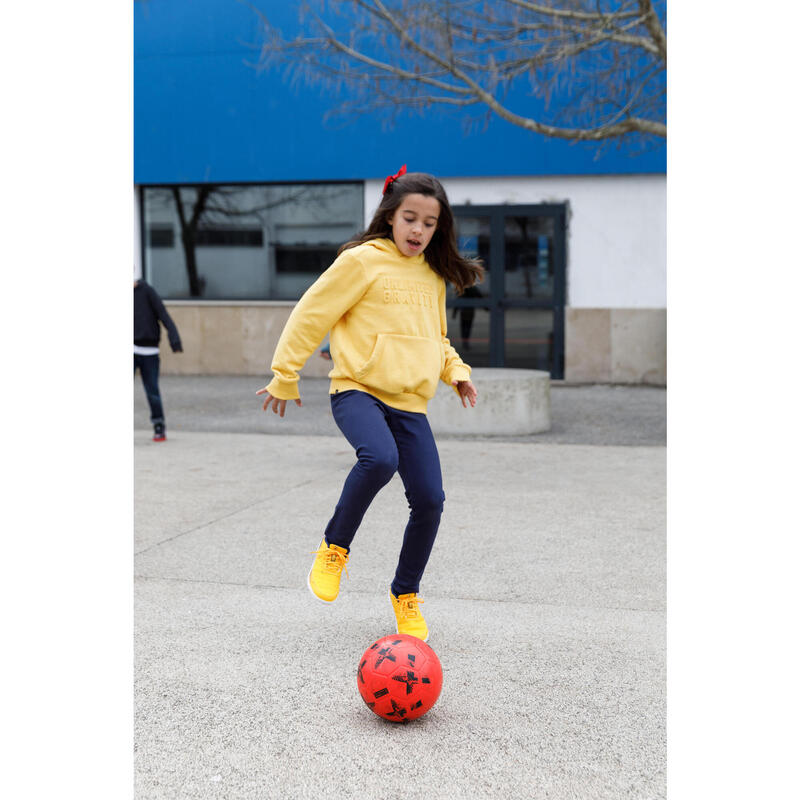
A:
(414, 222)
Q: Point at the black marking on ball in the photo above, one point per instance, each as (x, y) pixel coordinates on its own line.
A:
(360, 673)
(416, 705)
(396, 709)
(411, 658)
(385, 653)
(426, 680)
(409, 679)
(380, 693)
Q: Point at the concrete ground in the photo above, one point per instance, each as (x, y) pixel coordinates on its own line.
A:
(545, 597)
(624, 415)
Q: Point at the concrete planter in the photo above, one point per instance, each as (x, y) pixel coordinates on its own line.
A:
(511, 402)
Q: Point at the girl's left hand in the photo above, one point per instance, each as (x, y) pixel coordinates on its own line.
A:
(467, 391)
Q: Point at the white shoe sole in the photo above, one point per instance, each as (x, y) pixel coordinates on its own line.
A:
(314, 594)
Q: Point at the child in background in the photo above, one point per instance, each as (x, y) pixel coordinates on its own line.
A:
(148, 311)
(383, 300)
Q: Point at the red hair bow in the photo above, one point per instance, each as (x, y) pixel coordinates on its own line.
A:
(392, 178)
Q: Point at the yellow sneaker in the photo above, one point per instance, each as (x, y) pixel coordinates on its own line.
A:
(326, 571)
(408, 615)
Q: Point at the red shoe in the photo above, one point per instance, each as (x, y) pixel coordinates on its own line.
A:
(159, 432)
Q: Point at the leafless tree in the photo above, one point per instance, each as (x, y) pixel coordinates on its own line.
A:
(597, 67)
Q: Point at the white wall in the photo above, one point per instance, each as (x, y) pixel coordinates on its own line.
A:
(616, 239)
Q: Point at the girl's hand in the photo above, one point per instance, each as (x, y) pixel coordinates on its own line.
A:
(467, 391)
(278, 406)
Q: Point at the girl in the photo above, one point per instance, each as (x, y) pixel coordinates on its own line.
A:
(383, 300)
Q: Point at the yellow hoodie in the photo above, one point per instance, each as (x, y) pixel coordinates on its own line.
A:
(386, 315)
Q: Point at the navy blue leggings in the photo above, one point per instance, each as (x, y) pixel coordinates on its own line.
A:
(386, 441)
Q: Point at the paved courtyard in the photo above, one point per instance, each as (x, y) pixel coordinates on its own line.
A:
(545, 597)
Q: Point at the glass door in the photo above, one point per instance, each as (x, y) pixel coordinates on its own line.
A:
(515, 317)
(469, 316)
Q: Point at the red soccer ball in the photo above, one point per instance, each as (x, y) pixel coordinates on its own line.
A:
(399, 677)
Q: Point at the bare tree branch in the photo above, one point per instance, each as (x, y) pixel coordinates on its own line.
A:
(564, 13)
(334, 42)
(654, 26)
(603, 59)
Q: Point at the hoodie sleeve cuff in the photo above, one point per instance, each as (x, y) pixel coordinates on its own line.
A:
(459, 373)
(283, 390)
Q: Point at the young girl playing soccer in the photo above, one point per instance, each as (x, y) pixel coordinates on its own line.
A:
(383, 301)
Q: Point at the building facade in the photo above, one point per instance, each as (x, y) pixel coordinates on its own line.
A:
(245, 192)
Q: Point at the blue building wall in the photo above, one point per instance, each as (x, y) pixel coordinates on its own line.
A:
(203, 113)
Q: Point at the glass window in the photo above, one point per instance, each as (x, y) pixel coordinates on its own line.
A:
(226, 236)
(161, 236)
(268, 242)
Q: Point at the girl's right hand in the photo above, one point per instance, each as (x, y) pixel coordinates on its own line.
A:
(278, 406)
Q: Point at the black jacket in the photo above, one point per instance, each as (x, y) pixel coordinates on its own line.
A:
(148, 309)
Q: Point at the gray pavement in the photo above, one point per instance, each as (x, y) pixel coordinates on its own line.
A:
(618, 415)
(545, 596)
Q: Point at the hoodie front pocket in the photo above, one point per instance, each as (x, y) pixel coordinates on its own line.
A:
(403, 365)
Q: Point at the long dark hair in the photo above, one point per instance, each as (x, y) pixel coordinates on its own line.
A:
(441, 253)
